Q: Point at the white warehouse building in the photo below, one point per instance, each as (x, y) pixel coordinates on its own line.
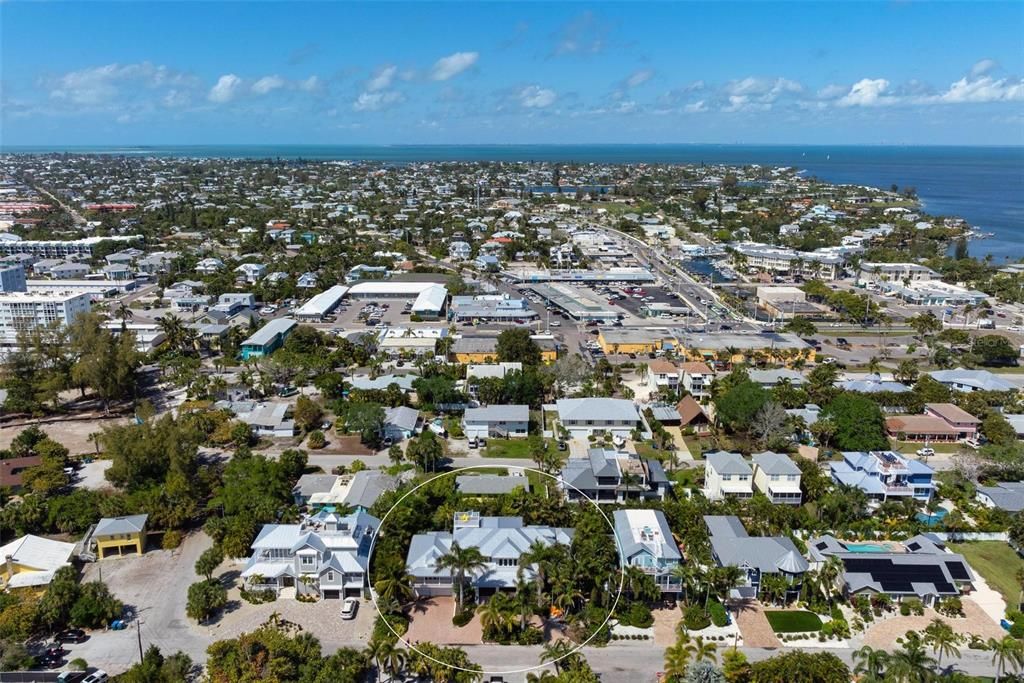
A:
(429, 297)
(322, 304)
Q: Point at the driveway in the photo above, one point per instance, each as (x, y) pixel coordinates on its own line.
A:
(92, 475)
(666, 622)
(754, 626)
(431, 621)
(975, 622)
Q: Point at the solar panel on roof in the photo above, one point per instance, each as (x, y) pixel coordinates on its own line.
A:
(900, 578)
(958, 571)
(821, 546)
(914, 547)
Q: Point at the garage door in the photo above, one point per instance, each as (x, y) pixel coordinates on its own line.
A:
(332, 595)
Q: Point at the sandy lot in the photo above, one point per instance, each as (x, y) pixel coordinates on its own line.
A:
(72, 433)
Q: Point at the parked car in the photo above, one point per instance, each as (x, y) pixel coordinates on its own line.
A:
(71, 676)
(72, 635)
(349, 608)
(926, 452)
(99, 676)
(973, 444)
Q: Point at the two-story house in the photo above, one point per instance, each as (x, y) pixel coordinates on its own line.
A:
(608, 476)
(501, 540)
(696, 378)
(778, 477)
(756, 556)
(884, 474)
(497, 421)
(645, 541)
(662, 375)
(586, 416)
(965, 424)
(727, 475)
(118, 536)
(326, 555)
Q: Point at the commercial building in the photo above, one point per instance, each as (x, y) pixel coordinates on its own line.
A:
(933, 293)
(12, 279)
(26, 311)
(751, 256)
(634, 340)
(490, 307)
(578, 304)
(321, 305)
(631, 275)
(268, 338)
(871, 274)
(729, 347)
(10, 244)
(429, 298)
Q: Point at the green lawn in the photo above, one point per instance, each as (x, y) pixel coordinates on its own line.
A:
(997, 563)
(785, 621)
(516, 448)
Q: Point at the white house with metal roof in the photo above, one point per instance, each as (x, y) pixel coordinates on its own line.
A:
(778, 477)
(501, 540)
(332, 550)
(510, 421)
(586, 416)
(644, 540)
(727, 475)
(961, 379)
(32, 561)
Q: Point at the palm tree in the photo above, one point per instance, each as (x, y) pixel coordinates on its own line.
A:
(397, 588)
(540, 556)
(554, 652)
(677, 657)
(686, 575)
(1007, 651)
(124, 314)
(911, 663)
(460, 562)
(387, 656)
(494, 618)
(174, 331)
(943, 640)
(870, 664)
(544, 676)
(828, 575)
(704, 651)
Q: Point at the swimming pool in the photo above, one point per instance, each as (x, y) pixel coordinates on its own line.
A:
(866, 548)
(934, 518)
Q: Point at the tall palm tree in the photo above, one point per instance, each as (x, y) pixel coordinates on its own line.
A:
(1006, 651)
(174, 329)
(460, 562)
(942, 639)
(493, 617)
(396, 587)
(124, 314)
(870, 664)
(828, 575)
(545, 676)
(386, 656)
(686, 575)
(539, 555)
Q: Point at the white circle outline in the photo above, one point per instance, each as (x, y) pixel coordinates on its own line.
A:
(580, 646)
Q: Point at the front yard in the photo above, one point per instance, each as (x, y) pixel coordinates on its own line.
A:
(516, 448)
(911, 447)
(793, 621)
(997, 563)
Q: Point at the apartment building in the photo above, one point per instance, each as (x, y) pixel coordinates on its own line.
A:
(24, 311)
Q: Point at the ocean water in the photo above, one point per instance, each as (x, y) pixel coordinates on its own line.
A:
(984, 185)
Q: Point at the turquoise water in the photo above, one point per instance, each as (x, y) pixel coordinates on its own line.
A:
(933, 519)
(984, 185)
(866, 548)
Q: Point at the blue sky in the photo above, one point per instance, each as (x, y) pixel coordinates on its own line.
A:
(96, 73)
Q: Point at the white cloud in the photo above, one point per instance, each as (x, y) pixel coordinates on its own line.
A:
(268, 84)
(452, 65)
(376, 101)
(638, 78)
(102, 84)
(695, 107)
(627, 107)
(311, 84)
(382, 78)
(983, 66)
(984, 89)
(867, 92)
(536, 97)
(832, 91)
(226, 89)
(175, 98)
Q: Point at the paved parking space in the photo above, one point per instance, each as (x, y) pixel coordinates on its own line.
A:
(92, 475)
(431, 621)
(975, 622)
(754, 626)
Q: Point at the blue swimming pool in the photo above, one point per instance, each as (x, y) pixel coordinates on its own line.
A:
(934, 519)
(866, 548)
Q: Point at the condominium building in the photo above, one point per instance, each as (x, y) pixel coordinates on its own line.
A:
(24, 311)
(59, 248)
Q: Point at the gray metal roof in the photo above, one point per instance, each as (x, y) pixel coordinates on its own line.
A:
(130, 524)
(402, 417)
(768, 554)
(367, 486)
(725, 462)
(645, 531)
(1007, 495)
(489, 484)
(597, 409)
(775, 463)
(500, 413)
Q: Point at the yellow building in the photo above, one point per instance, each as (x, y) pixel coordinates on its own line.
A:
(31, 561)
(783, 349)
(484, 349)
(625, 340)
(119, 536)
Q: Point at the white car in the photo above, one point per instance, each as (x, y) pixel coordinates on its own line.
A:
(926, 452)
(555, 323)
(349, 608)
(829, 361)
(96, 677)
(973, 444)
